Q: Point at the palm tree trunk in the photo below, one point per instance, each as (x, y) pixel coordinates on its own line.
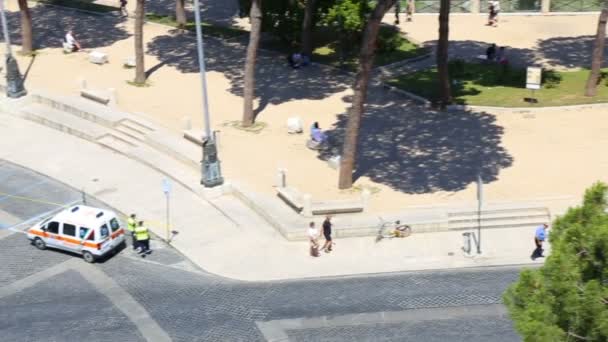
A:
(307, 26)
(26, 28)
(255, 16)
(366, 60)
(140, 72)
(180, 13)
(445, 96)
(598, 53)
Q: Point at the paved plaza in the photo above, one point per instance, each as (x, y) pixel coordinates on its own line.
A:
(497, 142)
(54, 296)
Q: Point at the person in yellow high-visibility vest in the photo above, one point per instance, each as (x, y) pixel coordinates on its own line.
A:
(131, 224)
(142, 236)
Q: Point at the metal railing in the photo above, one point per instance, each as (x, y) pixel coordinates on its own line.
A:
(576, 5)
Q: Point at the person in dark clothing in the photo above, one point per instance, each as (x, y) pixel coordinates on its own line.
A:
(327, 234)
(491, 52)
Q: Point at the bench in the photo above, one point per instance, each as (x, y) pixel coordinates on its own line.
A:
(96, 96)
(295, 199)
(292, 197)
(337, 207)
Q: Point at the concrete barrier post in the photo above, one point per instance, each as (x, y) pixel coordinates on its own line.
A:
(365, 195)
(83, 83)
(186, 123)
(475, 6)
(545, 6)
(307, 201)
(281, 180)
(112, 96)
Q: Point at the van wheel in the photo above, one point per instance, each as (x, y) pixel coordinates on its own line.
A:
(88, 257)
(39, 244)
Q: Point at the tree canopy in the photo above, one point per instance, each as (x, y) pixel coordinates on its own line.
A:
(567, 298)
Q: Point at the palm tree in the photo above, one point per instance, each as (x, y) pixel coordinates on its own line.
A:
(26, 28)
(598, 53)
(180, 13)
(445, 95)
(140, 72)
(307, 26)
(255, 16)
(366, 60)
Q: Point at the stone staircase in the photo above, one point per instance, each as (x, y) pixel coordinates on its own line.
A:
(121, 132)
(508, 217)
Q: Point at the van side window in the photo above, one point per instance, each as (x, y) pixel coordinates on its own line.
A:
(53, 227)
(83, 233)
(104, 231)
(69, 229)
(114, 225)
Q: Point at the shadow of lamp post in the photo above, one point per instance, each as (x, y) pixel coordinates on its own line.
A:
(14, 81)
(211, 171)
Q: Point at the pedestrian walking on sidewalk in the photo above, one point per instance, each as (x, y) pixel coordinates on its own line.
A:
(142, 236)
(540, 236)
(313, 236)
(410, 10)
(327, 234)
(131, 224)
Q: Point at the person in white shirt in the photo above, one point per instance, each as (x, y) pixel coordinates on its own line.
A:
(313, 235)
(71, 41)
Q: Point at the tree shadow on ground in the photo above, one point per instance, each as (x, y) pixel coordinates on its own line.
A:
(572, 52)
(276, 82)
(470, 49)
(223, 12)
(50, 25)
(417, 150)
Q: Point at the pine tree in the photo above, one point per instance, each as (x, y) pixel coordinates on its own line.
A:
(567, 298)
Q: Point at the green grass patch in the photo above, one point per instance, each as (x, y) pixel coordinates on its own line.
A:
(392, 47)
(496, 85)
(86, 5)
(208, 29)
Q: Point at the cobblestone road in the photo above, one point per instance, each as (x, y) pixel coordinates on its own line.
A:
(54, 296)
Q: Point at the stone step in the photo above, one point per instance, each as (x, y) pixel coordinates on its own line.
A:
(499, 222)
(116, 144)
(495, 217)
(62, 121)
(82, 108)
(131, 133)
(137, 125)
(516, 211)
(523, 224)
(180, 149)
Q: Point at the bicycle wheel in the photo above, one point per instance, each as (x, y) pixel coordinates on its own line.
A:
(406, 232)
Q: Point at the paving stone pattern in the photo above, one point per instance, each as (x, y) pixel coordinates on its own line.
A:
(457, 330)
(63, 308)
(197, 306)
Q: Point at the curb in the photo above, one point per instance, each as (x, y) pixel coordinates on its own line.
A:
(454, 108)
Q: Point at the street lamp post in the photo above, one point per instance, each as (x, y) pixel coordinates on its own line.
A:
(211, 171)
(14, 81)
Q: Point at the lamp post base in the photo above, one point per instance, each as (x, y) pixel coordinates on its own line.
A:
(212, 172)
(14, 81)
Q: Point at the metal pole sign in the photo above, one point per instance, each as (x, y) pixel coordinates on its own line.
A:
(479, 203)
(167, 191)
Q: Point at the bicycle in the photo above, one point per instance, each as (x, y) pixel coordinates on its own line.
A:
(390, 230)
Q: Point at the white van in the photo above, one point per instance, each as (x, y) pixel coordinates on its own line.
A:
(91, 232)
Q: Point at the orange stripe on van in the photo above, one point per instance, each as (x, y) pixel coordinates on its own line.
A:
(62, 238)
(118, 232)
